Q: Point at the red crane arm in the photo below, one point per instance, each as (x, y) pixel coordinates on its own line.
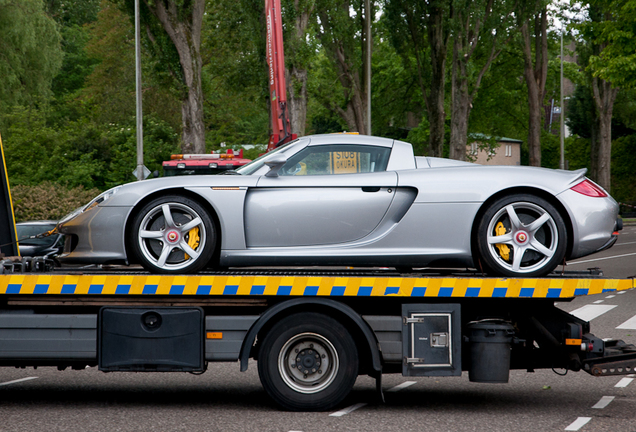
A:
(281, 127)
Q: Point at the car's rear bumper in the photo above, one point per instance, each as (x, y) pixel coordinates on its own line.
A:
(594, 222)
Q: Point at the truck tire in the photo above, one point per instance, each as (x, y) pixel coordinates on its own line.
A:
(308, 362)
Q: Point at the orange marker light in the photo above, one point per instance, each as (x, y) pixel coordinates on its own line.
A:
(214, 335)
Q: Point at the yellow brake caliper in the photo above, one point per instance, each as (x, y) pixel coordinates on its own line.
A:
(193, 239)
(504, 250)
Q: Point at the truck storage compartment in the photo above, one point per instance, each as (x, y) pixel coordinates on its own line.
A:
(490, 342)
(151, 339)
(431, 340)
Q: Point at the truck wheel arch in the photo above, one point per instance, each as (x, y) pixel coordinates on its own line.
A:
(280, 310)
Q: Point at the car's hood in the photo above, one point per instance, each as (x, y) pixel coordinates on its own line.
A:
(130, 193)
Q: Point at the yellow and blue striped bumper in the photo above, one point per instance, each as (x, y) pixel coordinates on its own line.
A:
(307, 286)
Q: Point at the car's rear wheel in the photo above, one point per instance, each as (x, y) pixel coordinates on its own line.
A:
(521, 236)
(308, 362)
(173, 234)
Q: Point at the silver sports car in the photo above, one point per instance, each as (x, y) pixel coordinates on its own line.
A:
(349, 200)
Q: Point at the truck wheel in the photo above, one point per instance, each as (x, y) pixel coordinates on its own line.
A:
(308, 362)
(173, 234)
(521, 236)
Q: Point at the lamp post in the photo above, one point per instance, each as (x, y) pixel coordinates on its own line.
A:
(562, 160)
(140, 130)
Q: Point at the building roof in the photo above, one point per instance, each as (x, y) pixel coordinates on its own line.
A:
(481, 136)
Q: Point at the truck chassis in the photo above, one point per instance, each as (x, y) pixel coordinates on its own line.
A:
(312, 333)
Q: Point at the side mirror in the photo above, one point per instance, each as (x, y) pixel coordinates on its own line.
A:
(275, 163)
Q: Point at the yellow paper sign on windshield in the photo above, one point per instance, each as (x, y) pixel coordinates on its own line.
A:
(345, 162)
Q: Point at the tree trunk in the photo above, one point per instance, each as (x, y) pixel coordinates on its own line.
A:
(460, 105)
(338, 46)
(535, 73)
(296, 74)
(297, 98)
(184, 31)
(438, 40)
(349, 77)
(604, 97)
(594, 140)
(468, 36)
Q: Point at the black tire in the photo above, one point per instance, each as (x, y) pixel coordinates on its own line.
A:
(534, 242)
(323, 371)
(183, 245)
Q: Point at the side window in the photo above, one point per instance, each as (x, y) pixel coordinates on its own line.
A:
(337, 159)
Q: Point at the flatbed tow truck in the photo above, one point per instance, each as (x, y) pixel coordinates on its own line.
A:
(311, 331)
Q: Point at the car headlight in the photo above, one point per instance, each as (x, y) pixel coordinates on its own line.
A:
(100, 199)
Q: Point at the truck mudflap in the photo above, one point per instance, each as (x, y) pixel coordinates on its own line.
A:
(618, 358)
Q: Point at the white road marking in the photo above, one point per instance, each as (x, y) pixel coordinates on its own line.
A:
(402, 386)
(621, 292)
(624, 382)
(605, 401)
(578, 423)
(589, 312)
(601, 259)
(621, 244)
(347, 410)
(630, 324)
(610, 296)
(599, 301)
(17, 381)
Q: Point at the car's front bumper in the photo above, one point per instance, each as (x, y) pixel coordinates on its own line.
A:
(96, 236)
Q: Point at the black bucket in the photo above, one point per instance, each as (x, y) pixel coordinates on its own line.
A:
(490, 342)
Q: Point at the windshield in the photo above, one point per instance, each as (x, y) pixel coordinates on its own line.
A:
(257, 163)
(25, 231)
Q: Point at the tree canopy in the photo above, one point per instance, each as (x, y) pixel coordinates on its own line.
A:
(441, 71)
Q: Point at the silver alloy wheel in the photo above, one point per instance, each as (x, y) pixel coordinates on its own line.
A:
(164, 234)
(531, 234)
(308, 363)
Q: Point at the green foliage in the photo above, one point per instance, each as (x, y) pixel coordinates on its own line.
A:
(501, 107)
(623, 169)
(397, 102)
(164, 56)
(234, 74)
(30, 52)
(48, 200)
(616, 33)
(550, 150)
(577, 152)
(77, 64)
(81, 153)
(110, 88)
(74, 127)
(72, 12)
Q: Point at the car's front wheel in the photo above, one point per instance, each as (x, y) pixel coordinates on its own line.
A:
(521, 235)
(173, 234)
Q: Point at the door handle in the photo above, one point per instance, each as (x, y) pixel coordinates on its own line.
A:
(370, 188)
